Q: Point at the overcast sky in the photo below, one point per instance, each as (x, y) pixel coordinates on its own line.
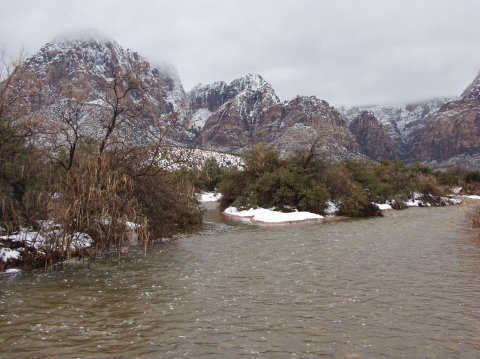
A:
(348, 52)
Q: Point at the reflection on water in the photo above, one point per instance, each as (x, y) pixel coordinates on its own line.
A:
(402, 286)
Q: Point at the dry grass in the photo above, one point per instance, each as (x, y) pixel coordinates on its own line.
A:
(473, 216)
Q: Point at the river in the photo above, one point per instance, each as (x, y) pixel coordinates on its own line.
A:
(403, 286)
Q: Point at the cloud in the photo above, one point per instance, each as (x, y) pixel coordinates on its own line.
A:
(349, 52)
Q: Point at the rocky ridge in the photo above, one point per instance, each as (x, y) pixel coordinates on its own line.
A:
(85, 68)
(453, 133)
(375, 139)
(247, 111)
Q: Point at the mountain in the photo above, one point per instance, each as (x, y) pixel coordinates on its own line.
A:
(84, 68)
(452, 135)
(298, 123)
(232, 112)
(375, 139)
(387, 131)
(246, 111)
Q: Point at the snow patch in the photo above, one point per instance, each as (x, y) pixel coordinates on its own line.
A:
(195, 158)
(12, 270)
(209, 197)
(383, 206)
(7, 254)
(452, 200)
(132, 225)
(473, 196)
(48, 240)
(332, 208)
(200, 117)
(31, 239)
(270, 216)
(81, 240)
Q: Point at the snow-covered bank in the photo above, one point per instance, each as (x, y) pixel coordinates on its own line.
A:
(270, 216)
(48, 241)
(473, 196)
(419, 201)
(384, 206)
(209, 197)
(14, 248)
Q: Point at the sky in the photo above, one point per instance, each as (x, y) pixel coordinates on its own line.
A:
(347, 52)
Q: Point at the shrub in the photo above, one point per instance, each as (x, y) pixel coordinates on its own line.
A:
(472, 177)
(260, 159)
(358, 205)
(231, 186)
(96, 199)
(398, 204)
(452, 176)
(210, 174)
(280, 189)
(474, 217)
(428, 186)
(314, 199)
(338, 181)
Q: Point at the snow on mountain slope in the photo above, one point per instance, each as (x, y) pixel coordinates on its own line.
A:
(399, 121)
(84, 68)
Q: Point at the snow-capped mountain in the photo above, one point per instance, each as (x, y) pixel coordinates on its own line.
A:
(472, 92)
(399, 121)
(85, 68)
(235, 110)
(307, 120)
(207, 99)
(246, 111)
(375, 139)
(452, 135)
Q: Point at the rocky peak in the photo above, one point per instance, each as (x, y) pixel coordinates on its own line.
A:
(228, 115)
(399, 121)
(243, 100)
(373, 138)
(472, 92)
(451, 133)
(83, 66)
(209, 97)
(212, 96)
(250, 82)
(310, 109)
(81, 53)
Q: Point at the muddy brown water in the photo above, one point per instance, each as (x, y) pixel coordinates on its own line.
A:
(403, 286)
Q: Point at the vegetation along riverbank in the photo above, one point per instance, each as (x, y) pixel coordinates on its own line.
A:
(73, 183)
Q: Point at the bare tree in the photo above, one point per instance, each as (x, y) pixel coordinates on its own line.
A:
(123, 102)
(68, 130)
(10, 91)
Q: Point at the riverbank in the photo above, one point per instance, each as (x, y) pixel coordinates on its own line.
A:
(270, 216)
(17, 251)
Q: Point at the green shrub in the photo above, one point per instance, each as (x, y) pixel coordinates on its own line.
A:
(358, 205)
(338, 181)
(260, 159)
(472, 177)
(232, 186)
(314, 199)
(210, 174)
(452, 176)
(280, 189)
